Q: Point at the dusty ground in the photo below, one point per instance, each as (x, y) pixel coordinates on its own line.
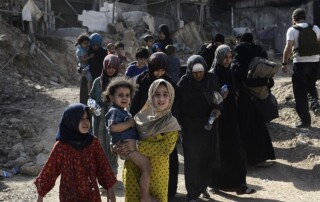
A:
(293, 177)
(27, 92)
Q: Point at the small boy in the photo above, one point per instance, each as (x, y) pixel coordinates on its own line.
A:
(121, 55)
(111, 48)
(149, 39)
(136, 68)
(173, 63)
(82, 47)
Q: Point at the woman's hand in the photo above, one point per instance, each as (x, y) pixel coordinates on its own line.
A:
(217, 112)
(124, 148)
(225, 94)
(111, 197)
(130, 145)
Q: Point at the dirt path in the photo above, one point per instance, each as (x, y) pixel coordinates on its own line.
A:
(295, 175)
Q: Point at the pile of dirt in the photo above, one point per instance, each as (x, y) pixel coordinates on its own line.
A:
(27, 71)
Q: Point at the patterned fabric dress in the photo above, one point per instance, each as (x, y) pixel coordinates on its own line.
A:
(74, 166)
(157, 148)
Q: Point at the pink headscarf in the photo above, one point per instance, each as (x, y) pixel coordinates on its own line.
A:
(109, 60)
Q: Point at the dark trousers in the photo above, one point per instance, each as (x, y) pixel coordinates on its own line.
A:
(173, 173)
(304, 83)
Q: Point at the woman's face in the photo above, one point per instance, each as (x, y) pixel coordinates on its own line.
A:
(227, 60)
(95, 47)
(198, 76)
(161, 98)
(159, 73)
(162, 36)
(84, 124)
(111, 70)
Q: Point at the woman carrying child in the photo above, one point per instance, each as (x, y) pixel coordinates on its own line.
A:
(110, 70)
(78, 157)
(82, 47)
(158, 133)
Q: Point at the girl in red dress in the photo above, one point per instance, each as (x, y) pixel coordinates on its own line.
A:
(78, 157)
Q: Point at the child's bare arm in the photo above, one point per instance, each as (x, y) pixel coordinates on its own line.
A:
(119, 127)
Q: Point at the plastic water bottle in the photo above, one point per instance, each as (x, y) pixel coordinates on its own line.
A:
(93, 105)
(4, 173)
(224, 88)
(97, 110)
(15, 170)
(211, 119)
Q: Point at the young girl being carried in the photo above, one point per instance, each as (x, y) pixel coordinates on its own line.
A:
(121, 126)
(82, 47)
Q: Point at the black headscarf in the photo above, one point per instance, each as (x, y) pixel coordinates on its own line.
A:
(217, 38)
(195, 59)
(68, 131)
(247, 37)
(209, 82)
(165, 29)
(156, 61)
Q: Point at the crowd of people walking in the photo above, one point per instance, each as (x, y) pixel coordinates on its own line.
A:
(147, 105)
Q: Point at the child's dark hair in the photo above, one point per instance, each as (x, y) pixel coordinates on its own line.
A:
(116, 83)
(148, 37)
(170, 49)
(81, 38)
(119, 44)
(142, 53)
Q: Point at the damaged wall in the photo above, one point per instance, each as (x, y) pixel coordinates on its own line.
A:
(110, 13)
(269, 24)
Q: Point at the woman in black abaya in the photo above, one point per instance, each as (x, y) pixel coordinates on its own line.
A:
(193, 105)
(254, 133)
(231, 174)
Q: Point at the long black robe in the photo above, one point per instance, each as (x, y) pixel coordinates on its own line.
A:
(96, 63)
(231, 173)
(253, 131)
(194, 102)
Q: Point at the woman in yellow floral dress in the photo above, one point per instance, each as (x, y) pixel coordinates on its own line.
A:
(158, 131)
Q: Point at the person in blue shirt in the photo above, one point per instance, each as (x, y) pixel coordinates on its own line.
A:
(136, 68)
